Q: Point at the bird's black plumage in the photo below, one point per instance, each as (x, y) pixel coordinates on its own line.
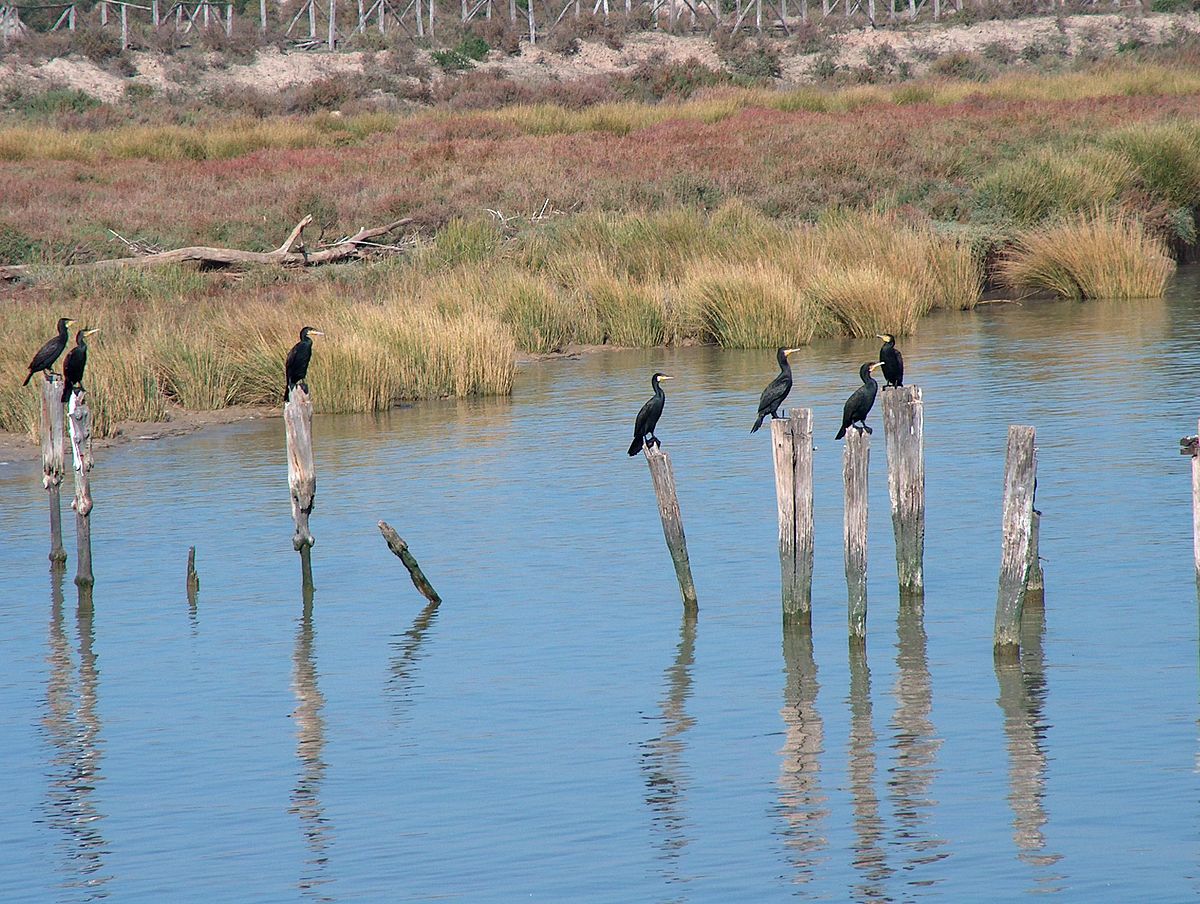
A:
(48, 353)
(74, 364)
(777, 390)
(892, 361)
(858, 406)
(296, 366)
(648, 415)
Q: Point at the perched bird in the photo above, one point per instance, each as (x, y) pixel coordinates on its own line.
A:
(296, 367)
(647, 417)
(858, 406)
(74, 364)
(777, 390)
(892, 361)
(48, 353)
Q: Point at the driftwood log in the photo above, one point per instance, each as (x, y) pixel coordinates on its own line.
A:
(397, 545)
(358, 245)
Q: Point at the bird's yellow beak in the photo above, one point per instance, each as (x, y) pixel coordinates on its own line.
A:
(790, 351)
(884, 336)
(94, 329)
(876, 364)
(315, 333)
(666, 377)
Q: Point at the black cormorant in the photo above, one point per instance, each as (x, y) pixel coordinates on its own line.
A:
(296, 367)
(647, 417)
(777, 390)
(858, 406)
(48, 353)
(74, 364)
(892, 361)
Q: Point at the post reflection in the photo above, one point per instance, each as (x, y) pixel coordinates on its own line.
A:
(407, 653)
(869, 858)
(310, 748)
(664, 772)
(915, 746)
(801, 800)
(1022, 699)
(72, 725)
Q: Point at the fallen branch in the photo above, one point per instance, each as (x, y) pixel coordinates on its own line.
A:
(397, 545)
(352, 247)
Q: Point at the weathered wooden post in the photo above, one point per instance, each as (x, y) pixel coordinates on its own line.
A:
(904, 430)
(672, 521)
(791, 440)
(193, 579)
(80, 419)
(1035, 585)
(302, 476)
(51, 423)
(1020, 480)
(856, 459)
(1190, 445)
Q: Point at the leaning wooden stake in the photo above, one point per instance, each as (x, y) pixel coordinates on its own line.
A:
(302, 476)
(791, 439)
(80, 418)
(51, 423)
(1020, 480)
(856, 459)
(672, 521)
(397, 545)
(904, 429)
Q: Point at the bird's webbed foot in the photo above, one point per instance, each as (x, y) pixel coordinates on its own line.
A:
(868, 429)
(654, 441)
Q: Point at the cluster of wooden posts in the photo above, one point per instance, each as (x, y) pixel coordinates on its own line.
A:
(53, 438)
(903, 418)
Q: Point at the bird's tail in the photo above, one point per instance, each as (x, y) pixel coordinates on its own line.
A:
(636, 446)
(757, 423)
(841, 433)
(28, 378)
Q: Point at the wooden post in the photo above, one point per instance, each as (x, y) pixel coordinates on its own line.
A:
(228, 20)
(124, 26)
(154, 13)
(80, 418)
(432, 4)
(262, 15)
(332, 25)
(397, 545)
(302, 476)
(532, 28)
(904, 429)
(672, 522)
(193, 579)
(1020, 480)
(103, 13)
(1190, 445)
(51, 423)
(1035, 586)
(856, 459)
(791, 439)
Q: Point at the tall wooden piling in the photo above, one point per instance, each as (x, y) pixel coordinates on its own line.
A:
(302, 476)
(672, 521)
(904, 429)
(791, 439)
(1190, 445)
(856, 459)
(193, 579)
(51, 424)
(79, 416)
(1020, 481)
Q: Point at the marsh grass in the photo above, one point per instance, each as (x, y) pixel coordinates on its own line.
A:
(1053, 182)
(756, 305)
(1099, 255)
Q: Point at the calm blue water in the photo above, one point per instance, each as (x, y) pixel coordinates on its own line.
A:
(556, 730)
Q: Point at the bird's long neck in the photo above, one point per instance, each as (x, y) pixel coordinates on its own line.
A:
(658, 390)
(62, 332)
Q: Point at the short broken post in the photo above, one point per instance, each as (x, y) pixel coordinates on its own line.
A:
(51, 424)
(1020, 482)
(193, 579)
(791, 439)
(302, 476)
(856, 459)
(397, 545)
(672, 522)
(904, 430)
(79, 416)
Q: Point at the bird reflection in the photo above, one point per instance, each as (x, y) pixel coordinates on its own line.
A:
(663, 768)
(869, 858)
(1022, 699)
(310, 747)
(915, 746)
(801, 801)
(73, 727)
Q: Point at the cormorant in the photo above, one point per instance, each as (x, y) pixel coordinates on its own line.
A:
(74, 364)
(296, 367)
(48, 353)
(777, 390)
(647, 417)
(892, 360)
(858, 406)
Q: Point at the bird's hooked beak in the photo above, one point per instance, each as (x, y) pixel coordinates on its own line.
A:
(665, 377)
(94, 329)
(790, 351)
(315, 333)
(876, 364)
(884, 336)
